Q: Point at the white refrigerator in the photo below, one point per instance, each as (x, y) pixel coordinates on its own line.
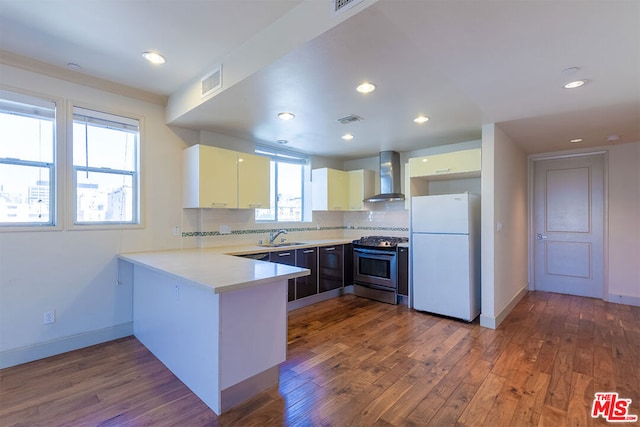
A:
(445, 254)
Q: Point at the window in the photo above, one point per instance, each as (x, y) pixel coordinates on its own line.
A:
(105, 168)
(287, 186)
(27, 160)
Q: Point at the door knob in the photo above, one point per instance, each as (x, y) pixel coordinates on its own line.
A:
(541, 236)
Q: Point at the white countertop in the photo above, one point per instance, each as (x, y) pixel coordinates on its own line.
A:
(220, 269)
(212, 269)
(254, 249)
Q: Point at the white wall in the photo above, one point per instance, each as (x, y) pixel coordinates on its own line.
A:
(75, 271)
(504, 205)
(624, 223)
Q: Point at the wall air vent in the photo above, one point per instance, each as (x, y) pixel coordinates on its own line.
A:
(350, 119)
(212, 82)
(342, 5)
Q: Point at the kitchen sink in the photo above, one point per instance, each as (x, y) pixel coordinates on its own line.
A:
(280, 245)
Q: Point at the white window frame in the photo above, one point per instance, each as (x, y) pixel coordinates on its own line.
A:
(48, 107)
(284, 156)
(118, 120)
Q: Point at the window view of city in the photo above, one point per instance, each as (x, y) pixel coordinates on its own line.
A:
(104, 171)
(24, 194)
(26, 166)
(101, 197)
(287, 206)
(104, 162)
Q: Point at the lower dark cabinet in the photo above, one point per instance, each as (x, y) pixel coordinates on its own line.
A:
(347, 260)
(330, 268)
(289, 258)
(403, 271)
(307, 285)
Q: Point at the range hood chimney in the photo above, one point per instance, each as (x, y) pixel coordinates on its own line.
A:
(389, 178)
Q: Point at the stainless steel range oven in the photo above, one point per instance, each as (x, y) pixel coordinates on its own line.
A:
(375, 267)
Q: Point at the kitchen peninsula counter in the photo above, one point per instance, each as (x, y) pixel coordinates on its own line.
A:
(212, 268)
(218, 322)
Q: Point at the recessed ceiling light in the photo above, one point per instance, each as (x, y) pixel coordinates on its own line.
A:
(576, 140)
(73, 66)
(366, 87)
(574, 84)
(282, 141)
(347, 137)
(286, 116)
(421, 119)
(154, 57)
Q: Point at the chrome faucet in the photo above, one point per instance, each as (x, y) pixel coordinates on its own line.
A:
(274, 234)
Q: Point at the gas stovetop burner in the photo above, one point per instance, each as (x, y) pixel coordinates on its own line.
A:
(380, 241)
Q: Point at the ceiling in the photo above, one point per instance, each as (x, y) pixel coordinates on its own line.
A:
(461, 63)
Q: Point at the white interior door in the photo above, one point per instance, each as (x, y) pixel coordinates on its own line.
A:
(568, 225)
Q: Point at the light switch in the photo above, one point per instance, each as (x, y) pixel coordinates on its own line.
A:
(498, 226)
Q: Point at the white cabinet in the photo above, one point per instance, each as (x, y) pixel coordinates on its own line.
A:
(336, 190)
(330, 190)
(454, 165)
(219, 178)
(253, 181)
(361, 185)
(210, 177)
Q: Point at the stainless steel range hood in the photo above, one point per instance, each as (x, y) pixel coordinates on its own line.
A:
(389, 178)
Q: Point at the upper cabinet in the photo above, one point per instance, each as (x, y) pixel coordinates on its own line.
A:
(330, 190)
(336, 190)
(219, 178)
(454, 165)
(253, 181)
(361, 185)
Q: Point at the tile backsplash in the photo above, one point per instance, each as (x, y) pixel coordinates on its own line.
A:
(222, 227)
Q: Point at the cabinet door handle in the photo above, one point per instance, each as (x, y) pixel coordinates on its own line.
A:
(309, 251)
(285, 254)
(442, 170)
(329, 249)
(255, 205)
(218, 203)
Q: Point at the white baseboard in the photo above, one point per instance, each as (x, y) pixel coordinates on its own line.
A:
(62, 345)
(624, 299)
(493, 322)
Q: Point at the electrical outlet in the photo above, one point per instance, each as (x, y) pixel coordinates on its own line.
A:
(225, 229)
(176, 230)
(49, 317)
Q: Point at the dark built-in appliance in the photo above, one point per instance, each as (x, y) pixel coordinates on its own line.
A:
(375, 267)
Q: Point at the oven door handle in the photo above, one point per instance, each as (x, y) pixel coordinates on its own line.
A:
(374, 251)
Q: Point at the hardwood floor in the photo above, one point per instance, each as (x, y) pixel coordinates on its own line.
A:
(352, 361)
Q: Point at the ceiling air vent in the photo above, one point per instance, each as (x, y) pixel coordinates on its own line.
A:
(350, 119)
(342, 5)
(212, 82)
